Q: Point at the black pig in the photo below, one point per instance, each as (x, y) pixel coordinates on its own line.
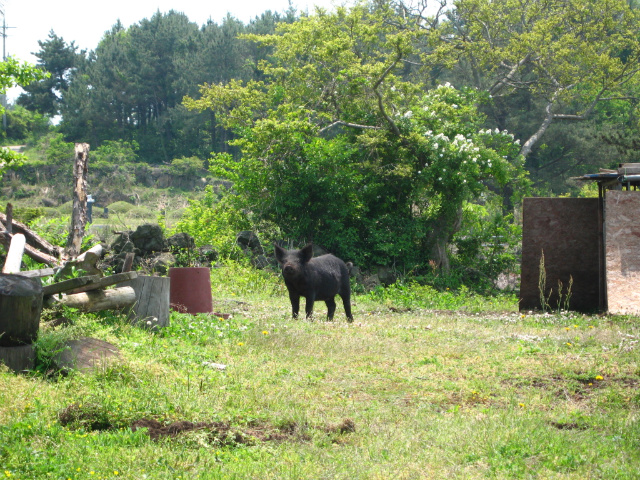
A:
(316, 279)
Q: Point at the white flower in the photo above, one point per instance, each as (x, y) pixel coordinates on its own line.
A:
(419, 172)
(409, 114)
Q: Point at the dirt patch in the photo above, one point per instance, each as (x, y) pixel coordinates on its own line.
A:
(94, 417)
(221, 433)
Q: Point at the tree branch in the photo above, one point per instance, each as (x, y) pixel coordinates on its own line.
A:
(508, 78)
(347, 124)
(386, 72)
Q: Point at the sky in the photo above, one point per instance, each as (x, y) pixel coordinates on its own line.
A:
(85, 22)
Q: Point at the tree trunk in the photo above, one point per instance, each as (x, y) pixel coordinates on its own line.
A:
(79, 215)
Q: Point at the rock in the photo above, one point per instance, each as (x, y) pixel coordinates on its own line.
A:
(123, 243)
(181, 241)
(387, 276)
(161, 263)
(248, 240)
(207, 255)
(85, 354)
(149, 238)
(260, 261)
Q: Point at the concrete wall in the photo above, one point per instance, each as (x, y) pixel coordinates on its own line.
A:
(567, 230)
(622, 239)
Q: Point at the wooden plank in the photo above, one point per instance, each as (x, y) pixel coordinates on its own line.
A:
(70, 284)
(14, 255)
(42, 272)
(106, 282)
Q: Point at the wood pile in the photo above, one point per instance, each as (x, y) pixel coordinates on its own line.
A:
(87, 293)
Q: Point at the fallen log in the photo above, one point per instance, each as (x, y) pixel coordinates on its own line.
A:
(14, 255)
(96, 300)
(32, 237)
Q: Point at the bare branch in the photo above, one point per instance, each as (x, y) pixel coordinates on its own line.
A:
(347, 124)
(386, 72)
(508, 78)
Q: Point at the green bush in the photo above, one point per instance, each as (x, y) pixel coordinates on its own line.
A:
(120, 207)
(186, 166)
(215, 221)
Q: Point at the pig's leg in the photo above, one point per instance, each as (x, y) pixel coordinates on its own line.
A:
(331, 307)
(309, 305)
(295, 304)
(346, 301)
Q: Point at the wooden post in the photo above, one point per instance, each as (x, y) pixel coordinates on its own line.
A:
(9, 218)
(79, 215)
(151, 309)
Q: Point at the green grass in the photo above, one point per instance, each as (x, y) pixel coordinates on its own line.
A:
(481, 391)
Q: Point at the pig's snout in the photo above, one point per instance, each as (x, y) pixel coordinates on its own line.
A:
(288, 269)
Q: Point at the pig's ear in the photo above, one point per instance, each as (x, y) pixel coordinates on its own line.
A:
(306, 253)
(280, 253)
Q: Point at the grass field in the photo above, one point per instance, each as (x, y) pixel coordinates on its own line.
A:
(421, 385)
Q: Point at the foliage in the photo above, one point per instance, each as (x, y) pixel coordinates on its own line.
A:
(118, 152)
(12, 73)
(371, 168)
(486, 246)
(186, 166)
(56, 150)
(549, 66)
(24, 126)
(59, 60)
(215, 221)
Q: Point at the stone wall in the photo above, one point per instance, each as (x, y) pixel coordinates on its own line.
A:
(622, 234)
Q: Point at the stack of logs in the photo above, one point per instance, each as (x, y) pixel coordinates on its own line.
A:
(22, 295)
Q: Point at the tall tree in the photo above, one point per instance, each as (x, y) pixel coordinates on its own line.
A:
(60, 60)
(338, 148)
(551, 64)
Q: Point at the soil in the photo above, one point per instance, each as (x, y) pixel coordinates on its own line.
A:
(94, 417)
